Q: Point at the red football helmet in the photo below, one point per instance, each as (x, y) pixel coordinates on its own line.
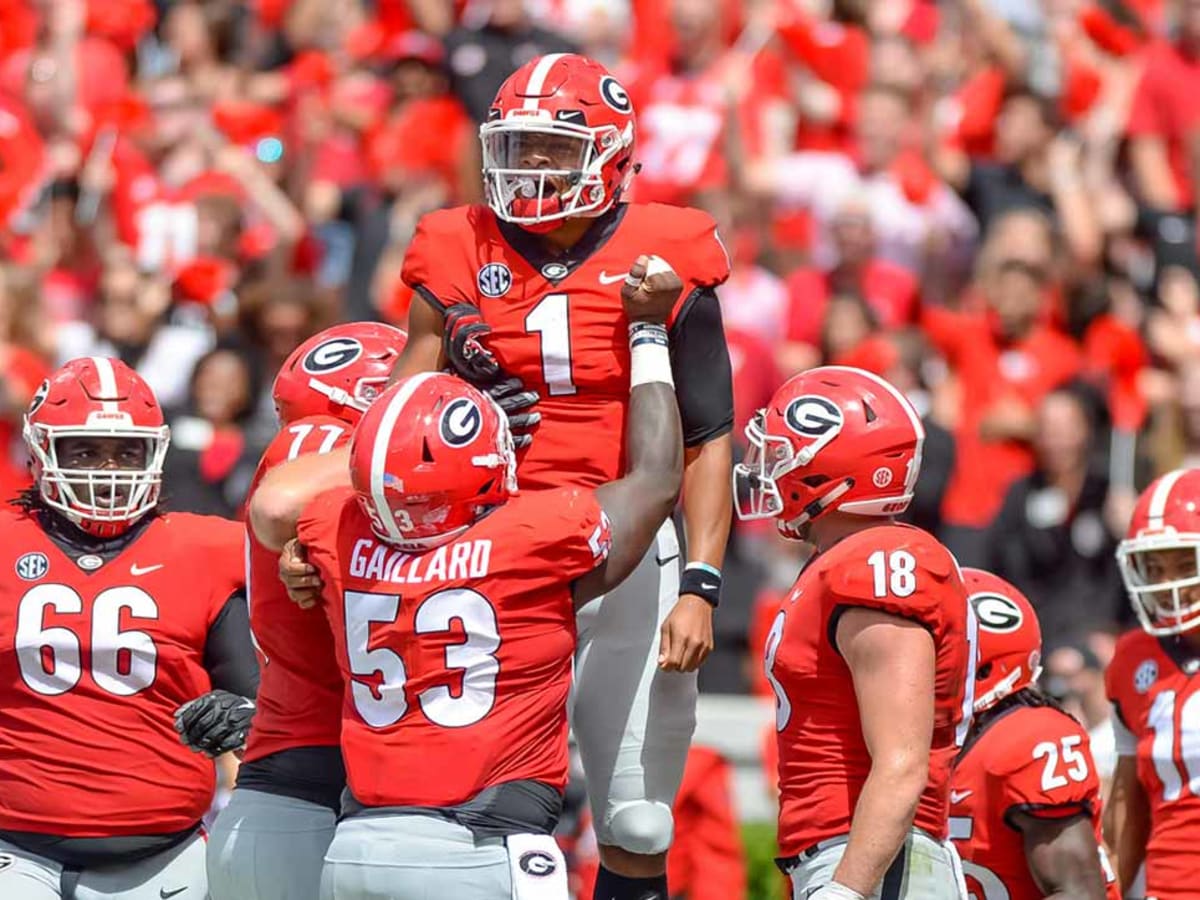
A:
(1010, 638)
(831, 438)
(96, 397)
(337, 372)
(430, 458)
(558, 142)
(1160, 556)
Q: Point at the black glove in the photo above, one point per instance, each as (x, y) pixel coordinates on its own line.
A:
(214, 723)
(462, 342)
(512, 397)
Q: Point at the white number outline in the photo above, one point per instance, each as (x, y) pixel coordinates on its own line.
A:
(475, 657)
(107, 640)
(550, 320)
(783, 706)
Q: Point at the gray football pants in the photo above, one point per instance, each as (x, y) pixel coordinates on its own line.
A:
(925, 869)
(633, 722)
(413, 857)
(268, 847)
(175, 874)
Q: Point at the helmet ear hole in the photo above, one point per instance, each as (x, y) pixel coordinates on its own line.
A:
(983, 671)
(426, 454)
(814, 480)
(870, 413)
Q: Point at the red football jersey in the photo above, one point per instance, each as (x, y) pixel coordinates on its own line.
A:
(561, 328)
(97, 657)
(457, 660)
(300, 692)
(1158, 699)
(823, 759)
(1035, 760)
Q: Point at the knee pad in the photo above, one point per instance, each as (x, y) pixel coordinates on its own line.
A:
(644, 827)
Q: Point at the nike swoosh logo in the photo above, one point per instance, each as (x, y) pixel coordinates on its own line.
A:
(959, 796)
(164, 893)
(605, 278)
(709, 587)
(135, 569)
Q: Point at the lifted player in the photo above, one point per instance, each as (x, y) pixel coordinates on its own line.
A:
(1153, 813)
(114, 615)
(1024, 797)
(872, 654)
(269, 842)
(453, 599)
(527, 288)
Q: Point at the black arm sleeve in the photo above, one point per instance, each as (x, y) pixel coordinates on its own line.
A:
(229, 655)
(700, 364)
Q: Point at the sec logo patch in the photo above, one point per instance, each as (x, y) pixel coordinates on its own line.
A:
(32, 566)
(494, 280)
(1145, 676)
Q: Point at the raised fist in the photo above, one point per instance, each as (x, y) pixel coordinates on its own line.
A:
(651, 290)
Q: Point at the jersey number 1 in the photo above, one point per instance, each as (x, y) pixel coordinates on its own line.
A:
(551, 323)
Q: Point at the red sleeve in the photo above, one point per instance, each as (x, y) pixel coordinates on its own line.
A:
(222, 545)
(944, 328)
(436, 263)
(1145, 115)
(1048, 767)
(900, 571)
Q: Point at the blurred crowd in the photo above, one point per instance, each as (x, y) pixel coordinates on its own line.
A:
(989, 202)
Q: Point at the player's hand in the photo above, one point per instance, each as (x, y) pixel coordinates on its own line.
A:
(686, 635)
(215, 723)
(302, 580)
(650, 290)
(463, 335)
(512, 397)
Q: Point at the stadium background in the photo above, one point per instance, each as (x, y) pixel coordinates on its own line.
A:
(990, 202)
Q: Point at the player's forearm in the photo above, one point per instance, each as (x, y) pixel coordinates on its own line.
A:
(708, 500)
(423, 351)
(279, 501)
(882, 820)
(654, 447)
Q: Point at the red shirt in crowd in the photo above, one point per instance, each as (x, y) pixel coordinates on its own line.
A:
(889, 290)
(990, 371)
(1167, 105)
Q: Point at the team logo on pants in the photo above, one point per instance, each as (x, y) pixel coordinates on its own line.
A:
(537, 864)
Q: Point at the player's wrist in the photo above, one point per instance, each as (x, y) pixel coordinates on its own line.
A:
(702, 580)
(649, 354)
(835, 891)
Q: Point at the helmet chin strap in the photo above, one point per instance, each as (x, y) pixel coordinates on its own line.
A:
(336, 394)
(816, 507)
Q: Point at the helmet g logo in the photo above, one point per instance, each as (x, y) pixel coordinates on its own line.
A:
(813, 416)
(331, 355)
(996, 613)
(461, 422)
(537, 864)
(39, 397)
(612, 93)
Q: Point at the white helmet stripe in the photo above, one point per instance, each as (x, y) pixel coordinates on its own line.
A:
(108, 382)
(906, 405)
(537, 79)
(379, 451)
(1158, 500)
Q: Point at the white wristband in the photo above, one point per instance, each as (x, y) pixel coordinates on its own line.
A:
(649, 355)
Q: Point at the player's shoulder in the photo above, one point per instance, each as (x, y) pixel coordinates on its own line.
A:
(198, 531)
(300, 436)
(13, 516)
(1018, 732)
(1138, 662)
(321, 518)
(684, 221)
(535, 510)
(891, 546)
(688, 239)
(454, 221)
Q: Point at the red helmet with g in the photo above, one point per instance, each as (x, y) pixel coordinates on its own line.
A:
(337, 372)
(1160, 556)
(97, 442)
(431, 457)
(1010, 638)
(834, 437)
(558, 142)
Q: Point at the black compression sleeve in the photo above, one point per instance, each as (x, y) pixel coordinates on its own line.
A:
(229, 652)
(700, 364)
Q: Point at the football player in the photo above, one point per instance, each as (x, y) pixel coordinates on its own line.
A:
(452, 599)
(1153, 812)
(115, 614)
(269, 841)
(1025, 796)
(871, 656)
(521, 297)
